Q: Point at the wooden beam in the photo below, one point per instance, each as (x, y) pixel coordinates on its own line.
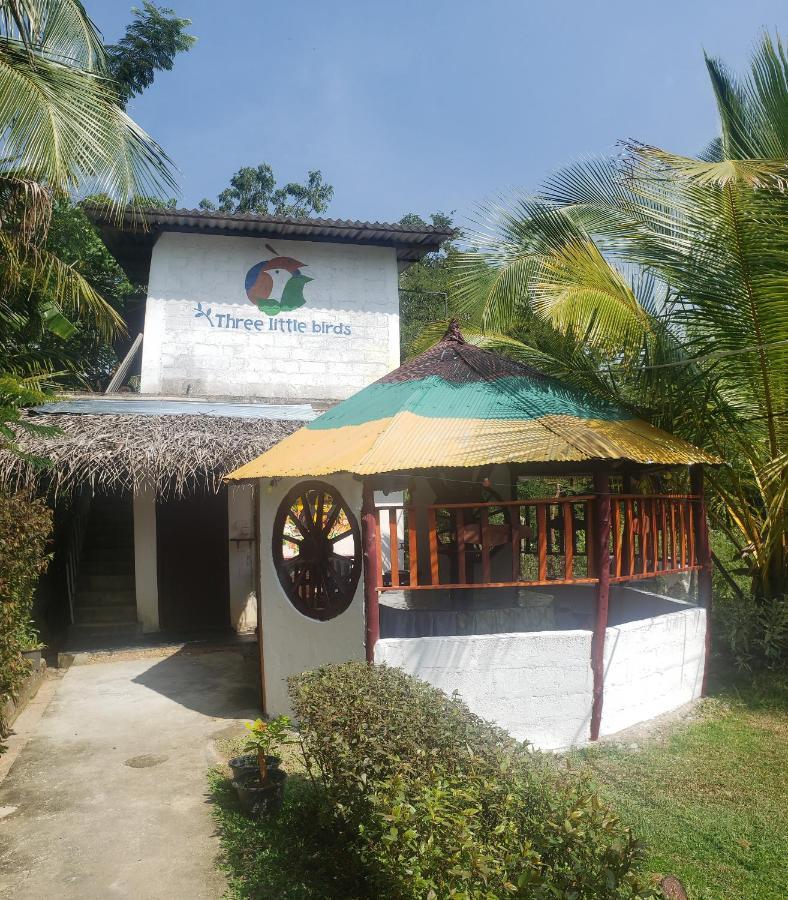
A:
(703, 550)
(602, 541)
(413, 550)
(371, 553)
(258, 590)
(393, 546)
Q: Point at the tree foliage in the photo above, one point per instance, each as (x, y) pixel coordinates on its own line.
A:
(25, 526)
(425, 286)
(64, 129)
(149, 45)
(254, 190)
(660, 282)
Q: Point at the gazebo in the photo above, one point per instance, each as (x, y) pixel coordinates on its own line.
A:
(533, 548)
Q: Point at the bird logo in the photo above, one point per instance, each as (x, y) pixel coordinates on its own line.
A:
(276, 285)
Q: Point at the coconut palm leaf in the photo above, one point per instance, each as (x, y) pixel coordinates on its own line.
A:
(60, 28)
(62, 126)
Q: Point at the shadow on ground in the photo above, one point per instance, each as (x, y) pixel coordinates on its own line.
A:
(218, 683)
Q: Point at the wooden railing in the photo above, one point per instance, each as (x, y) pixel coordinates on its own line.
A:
(652, 534)
(533, 542)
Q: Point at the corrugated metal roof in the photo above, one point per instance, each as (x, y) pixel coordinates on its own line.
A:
(301, 412)
(410, 243)
(457, 405)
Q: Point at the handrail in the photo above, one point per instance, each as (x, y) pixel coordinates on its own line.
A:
(548, 541)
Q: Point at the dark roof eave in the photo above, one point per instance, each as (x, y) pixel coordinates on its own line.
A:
(411, 244)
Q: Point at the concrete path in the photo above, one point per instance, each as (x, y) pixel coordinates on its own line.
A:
(108, 797)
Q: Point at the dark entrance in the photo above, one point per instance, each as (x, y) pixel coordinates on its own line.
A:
(193, 560)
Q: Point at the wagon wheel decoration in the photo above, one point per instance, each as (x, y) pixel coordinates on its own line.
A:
(317, 550)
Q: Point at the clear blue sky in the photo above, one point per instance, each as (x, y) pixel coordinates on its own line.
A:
(424, 105)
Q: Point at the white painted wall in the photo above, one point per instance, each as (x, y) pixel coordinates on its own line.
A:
(353, 294)
(538, 686)
(240, 518)
(292, 642)
(145, 559)
(652, 666)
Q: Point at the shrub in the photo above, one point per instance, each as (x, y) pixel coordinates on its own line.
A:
(754, 631)
(25, 526)
(446, 805)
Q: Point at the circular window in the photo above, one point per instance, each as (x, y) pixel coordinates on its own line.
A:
(317, 550)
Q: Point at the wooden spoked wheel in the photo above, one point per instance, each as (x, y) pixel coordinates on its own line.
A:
(317, 550)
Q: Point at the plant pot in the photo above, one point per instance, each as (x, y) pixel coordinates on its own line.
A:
(258, 799)
(246, 766)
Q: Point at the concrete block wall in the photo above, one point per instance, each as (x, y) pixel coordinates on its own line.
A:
(538, 686)
(203, 337)
(652, 666)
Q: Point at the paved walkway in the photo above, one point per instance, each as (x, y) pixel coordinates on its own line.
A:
(108, 797)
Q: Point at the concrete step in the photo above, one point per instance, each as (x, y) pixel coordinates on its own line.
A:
(108, 598)
(80, 631)
(106, 554)
(107, 567)
(105, 615)
(104, 582)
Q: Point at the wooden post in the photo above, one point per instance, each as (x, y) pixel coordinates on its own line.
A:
(371, 552)
(703, 549)
(602, 553)
(258, 589)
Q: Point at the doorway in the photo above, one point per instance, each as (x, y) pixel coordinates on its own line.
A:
(193, 561)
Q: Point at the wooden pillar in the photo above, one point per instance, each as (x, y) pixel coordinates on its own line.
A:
(703, 551)
(601, 532)
(370, 547)
(258, 589)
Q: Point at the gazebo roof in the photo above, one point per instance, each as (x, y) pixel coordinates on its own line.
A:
(456, 405)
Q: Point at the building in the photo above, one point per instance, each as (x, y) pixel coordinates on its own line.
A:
(250, 326)
(494, 532)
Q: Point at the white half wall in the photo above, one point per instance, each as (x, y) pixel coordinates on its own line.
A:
(240, 519)
(536, 685)
(652, 666)
(292, 642)
(146, 578)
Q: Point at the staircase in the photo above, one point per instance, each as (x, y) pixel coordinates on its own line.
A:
(105, 600)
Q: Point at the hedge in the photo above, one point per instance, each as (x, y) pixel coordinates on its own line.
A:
(25, 527)
(444, 804)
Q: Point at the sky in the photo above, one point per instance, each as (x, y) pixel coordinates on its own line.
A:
(433, 105)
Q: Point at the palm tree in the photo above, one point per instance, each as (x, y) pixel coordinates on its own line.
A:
(62, 129)
(662, 282)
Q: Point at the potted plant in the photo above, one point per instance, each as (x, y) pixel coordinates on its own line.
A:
(258, 779)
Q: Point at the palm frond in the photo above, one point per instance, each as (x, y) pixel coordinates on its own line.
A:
(62, 126)
(58, 29)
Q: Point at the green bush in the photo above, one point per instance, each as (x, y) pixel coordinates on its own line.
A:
(754, 631)
(25, 527)
(446, 805)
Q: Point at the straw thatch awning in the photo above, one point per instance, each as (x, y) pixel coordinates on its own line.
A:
(457, 405)
(105, 451)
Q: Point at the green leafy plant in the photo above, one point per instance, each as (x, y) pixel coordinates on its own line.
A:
(25, 527)
(265, 738)
(444, 804)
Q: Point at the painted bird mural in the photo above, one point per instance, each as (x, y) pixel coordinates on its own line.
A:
(276, 285)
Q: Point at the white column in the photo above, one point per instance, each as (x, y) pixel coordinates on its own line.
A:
(240, 518)
(145, 562)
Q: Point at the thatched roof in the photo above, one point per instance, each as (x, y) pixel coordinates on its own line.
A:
(106, 451)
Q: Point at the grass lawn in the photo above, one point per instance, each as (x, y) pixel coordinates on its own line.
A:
(711, 800)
